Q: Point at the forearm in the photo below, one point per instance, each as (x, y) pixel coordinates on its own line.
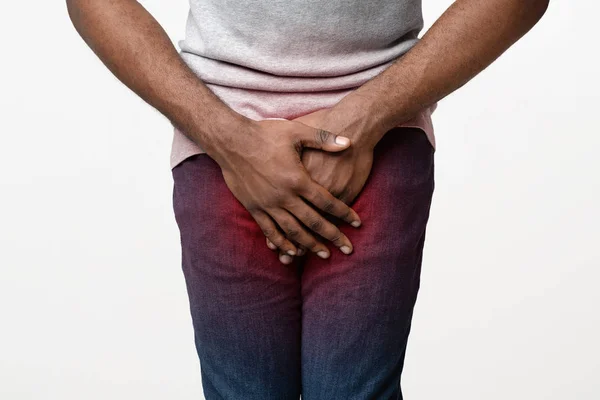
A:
(136, 49)
(468, 37)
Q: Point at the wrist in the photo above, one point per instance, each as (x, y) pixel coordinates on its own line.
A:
(224, 136)
(364, 127)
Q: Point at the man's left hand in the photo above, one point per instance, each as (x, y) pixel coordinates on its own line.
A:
(343, 174)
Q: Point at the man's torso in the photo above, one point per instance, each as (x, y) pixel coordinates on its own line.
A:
(287, 58)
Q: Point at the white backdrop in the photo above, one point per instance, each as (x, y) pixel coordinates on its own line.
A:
(92, 298)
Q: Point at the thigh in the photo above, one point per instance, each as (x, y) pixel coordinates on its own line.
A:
(245, 304)
(357, 309)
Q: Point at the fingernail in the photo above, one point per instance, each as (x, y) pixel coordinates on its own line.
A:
(323, 254)
(345, 249)
(300, 252)
(271, 245)
(355, 224)
(291, 252)
(284, 258)
(342, 140)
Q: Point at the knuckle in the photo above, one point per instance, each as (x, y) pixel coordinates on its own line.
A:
(336, 237)
(268, 232)
(290, 229)
(294, 181)
(316, 225)
(292, 233)
(328, 205)
(321, 136)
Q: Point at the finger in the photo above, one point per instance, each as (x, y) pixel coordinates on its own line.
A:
(271, 245)
(317, 223)
(269, 229)
(285, 258)
(322, 199)
(294, 231)
(321, 139)
(301, 249)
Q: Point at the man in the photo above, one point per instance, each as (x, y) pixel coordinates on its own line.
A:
(307, 122)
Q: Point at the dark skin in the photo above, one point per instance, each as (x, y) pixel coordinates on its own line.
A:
(260, 160)
(351, 167)
(344, 174)
(468, 37)
(265, 173)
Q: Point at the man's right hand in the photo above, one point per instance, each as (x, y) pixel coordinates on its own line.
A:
(263, 169)
(261, 164)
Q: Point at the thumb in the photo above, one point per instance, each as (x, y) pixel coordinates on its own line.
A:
(321, 139)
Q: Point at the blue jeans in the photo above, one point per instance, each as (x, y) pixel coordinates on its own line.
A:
(327, 329)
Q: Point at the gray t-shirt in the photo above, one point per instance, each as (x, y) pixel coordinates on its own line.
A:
(287, 58)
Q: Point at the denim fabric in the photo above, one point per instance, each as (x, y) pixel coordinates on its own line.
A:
(327, 329)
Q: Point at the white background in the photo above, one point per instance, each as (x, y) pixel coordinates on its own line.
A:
(92, 298)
